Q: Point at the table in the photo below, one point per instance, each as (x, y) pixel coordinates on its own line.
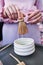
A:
(35, 59)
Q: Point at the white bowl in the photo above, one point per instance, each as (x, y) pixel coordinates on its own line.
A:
(24, 46)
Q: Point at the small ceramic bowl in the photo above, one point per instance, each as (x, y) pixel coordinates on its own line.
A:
(24, 46)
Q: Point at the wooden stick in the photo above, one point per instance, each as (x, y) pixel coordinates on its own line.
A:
(19, 63)
(4, 47)
(14, 58)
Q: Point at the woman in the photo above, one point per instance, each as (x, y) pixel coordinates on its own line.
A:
(28, 7)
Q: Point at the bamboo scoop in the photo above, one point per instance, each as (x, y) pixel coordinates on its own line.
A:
(1, 62)
(19, 63)
(22, 28)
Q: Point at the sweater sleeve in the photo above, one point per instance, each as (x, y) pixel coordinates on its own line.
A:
(1, 6)
(1, 9)
(39, 4)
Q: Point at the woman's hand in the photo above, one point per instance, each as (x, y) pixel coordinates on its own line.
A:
(10, 12)
(34, 17)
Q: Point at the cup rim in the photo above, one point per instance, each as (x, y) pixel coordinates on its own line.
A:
(29, 40)
(24, 47)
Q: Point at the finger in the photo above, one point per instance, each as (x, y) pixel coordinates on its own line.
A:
(4, 13)
(36, 16)
(15, 12)
(30, 12)
(24, 15)
(18, 11)
(11, 12)
(40, 20)
(15, 16)
(8, 13)
(14, 8)
(36, 20)
(34, 13)
(10, 9)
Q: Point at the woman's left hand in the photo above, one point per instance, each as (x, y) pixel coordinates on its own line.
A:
(34, 17)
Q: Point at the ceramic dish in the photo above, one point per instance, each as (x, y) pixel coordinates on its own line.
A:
(24, 46)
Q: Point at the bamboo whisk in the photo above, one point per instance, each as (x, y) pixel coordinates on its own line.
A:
(22, 28)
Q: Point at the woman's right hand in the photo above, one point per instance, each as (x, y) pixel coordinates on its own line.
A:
(10, 12)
